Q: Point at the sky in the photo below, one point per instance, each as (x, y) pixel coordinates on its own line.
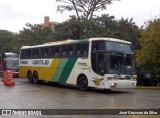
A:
(14, 14)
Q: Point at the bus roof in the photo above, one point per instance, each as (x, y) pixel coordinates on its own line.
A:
(69, 41)
(111, 39)
(10, 54)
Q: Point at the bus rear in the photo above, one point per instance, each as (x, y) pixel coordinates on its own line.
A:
(10, 61)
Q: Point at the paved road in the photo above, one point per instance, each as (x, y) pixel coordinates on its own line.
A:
(48, 96)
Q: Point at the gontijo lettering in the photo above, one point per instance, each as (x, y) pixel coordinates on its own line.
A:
(40, 62)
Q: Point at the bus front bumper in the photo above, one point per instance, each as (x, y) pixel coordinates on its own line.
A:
(120, 84)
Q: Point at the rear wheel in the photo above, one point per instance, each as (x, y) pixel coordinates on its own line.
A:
(29, 76)
(35, 78)
(83, 83)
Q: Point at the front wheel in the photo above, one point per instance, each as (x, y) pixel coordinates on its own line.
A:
(83, 83)
(35, 78)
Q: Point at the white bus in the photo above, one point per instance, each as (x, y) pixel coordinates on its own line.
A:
(104, 63)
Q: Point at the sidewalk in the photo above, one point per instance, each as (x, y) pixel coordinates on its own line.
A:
(148, 87)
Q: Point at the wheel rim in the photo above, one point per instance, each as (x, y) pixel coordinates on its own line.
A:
(29, 76)
(83, 83)
(35, 78)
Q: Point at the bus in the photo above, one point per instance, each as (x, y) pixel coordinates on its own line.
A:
(104, 63)
(9, 61)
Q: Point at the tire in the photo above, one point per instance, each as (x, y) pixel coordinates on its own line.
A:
(35, 77)
(107, 90)
(29, 76)
(83, 83)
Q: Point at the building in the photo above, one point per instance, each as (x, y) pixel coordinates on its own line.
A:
(48, 24)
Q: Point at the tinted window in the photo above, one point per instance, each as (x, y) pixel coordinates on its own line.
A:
(70, 50)
(51, 51)
(44, 52)
(57, 51)
(119, 47)
(35, 53)
(81, 49)
(25, 54)
(64, 51)
(98, 45)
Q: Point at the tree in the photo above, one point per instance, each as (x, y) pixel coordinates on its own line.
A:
(6, 40)
(34, 34)
(84, 8)
(129, 31)
(103, 26)
(148, 57)
(31, 35)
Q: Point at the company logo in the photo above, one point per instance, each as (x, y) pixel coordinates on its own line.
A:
(97, 81)
(40, 62)
(6, 112)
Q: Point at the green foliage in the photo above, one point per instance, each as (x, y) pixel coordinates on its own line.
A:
(84, 9)
(104, 26)
(149, 55)
(129, 31)
(6, 41)
(33, 35)
(67, 30)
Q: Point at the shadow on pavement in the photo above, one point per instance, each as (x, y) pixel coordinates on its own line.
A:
(73, 87)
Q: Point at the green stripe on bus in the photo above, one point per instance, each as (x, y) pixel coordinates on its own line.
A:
(67, 70)
(59, 69)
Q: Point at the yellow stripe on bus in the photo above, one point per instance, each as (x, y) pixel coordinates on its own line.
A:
(50, 71)
(44, 73)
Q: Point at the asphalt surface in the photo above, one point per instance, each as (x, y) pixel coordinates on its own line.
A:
(25, 95)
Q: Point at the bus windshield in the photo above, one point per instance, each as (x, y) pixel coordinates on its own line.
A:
(121, 64)
(116, 64)
(112, 58)
(12, 63)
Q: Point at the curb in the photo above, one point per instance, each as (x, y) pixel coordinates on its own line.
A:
(148, 87)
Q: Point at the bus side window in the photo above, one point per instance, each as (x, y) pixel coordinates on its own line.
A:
(51, 51)
(41, 52)
(35, 53)
(94, 46)
(85, 49)
(57, 51)
(46, 52)
(77, 49)
(64, 50)
(70, 50)
(27, 54)
(22, 54)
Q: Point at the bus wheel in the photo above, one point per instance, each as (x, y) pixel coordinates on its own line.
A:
(83, 83)
(29, 76)
(35, 78)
